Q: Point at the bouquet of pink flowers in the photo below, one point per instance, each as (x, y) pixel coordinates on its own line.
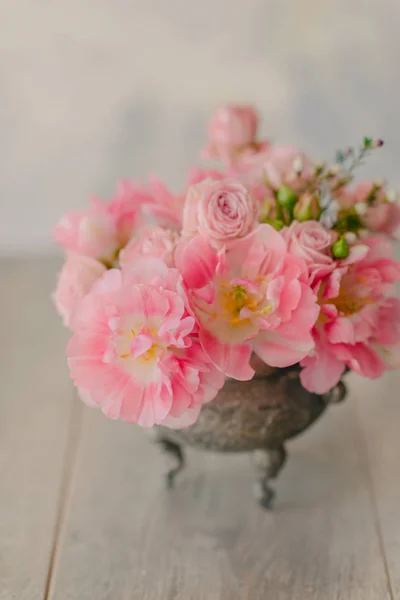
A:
(273, 256)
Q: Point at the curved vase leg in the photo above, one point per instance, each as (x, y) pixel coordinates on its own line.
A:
(174, 451)
(269, 463)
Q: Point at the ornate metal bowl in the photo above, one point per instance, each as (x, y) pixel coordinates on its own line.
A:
(253, 416)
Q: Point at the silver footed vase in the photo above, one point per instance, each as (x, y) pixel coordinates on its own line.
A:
(256, 416)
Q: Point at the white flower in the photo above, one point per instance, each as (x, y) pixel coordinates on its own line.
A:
(350, 237)
(361, 208)
(392, 196)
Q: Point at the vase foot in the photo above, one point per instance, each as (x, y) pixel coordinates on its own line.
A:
(173, 451)
(269, 463)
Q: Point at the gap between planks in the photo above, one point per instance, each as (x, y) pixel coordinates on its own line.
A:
(70, 461)
(363, 445)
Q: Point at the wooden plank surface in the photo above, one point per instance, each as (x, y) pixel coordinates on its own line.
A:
(35, 420)
(84, 514)
(378, 405)
(125, 537)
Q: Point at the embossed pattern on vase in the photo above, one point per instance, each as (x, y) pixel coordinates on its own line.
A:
(251, 415)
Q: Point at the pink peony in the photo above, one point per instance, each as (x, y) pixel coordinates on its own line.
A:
(134, 351)
(231, 130)
(221, 211)
(75, 280)
(102, 230)
(151, 241)
(254, 296)
(359, 325)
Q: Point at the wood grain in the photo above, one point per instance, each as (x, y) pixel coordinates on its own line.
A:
(125, 537)
(35, 419)
(378, 405)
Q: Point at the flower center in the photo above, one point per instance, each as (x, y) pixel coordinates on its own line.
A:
(353, 295)
(236, 298)
(226, 206)
(138, 345)
(348, 305)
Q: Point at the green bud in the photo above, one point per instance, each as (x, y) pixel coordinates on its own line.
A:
(307, 208)
(340, 248)
(275, 223)
(286, 197)
(268, 209)
(367, 142)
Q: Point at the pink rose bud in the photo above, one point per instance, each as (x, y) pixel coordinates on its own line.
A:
(231, 130)
(221, 211)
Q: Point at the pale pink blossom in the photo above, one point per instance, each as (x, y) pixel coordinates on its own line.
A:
(135, 352)
(383, 218)
(103, 229)
(221, 211)
(253, 297)
(282, 167)
(75, 280)
(232, 130)
(277, 165)
(359, 324)
(165, 207)
(155, 242)
(197, 175)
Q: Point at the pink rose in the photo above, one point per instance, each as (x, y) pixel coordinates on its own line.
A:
(310, 241)
(75, 280)
(152, 241)
(231, 130)
(221, 211)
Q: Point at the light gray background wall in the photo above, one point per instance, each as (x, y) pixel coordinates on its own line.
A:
(92, 90)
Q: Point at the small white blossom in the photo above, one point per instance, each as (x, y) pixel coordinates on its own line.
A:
(298, 165)
(392, 196)
(350, 237)
(380, 182)
(361, 208)
(334, 169)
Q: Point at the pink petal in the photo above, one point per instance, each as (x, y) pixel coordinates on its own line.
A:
(140, 344)
(277, 350)
(233, 360)
(321, 373)
(196, 261)
(340, 331)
